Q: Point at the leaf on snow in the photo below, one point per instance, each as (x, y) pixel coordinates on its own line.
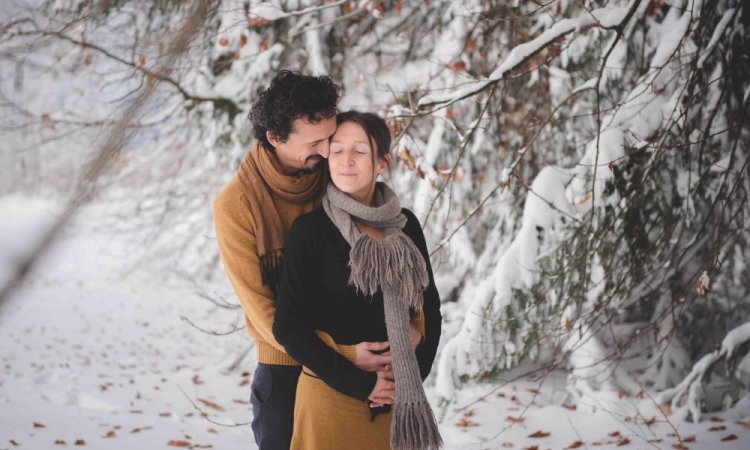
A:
(718, 428)
(176, 443)
(539, 434)
(730, 437)
(575, 444)
(38, 425)
(80, 442)
(211, 404)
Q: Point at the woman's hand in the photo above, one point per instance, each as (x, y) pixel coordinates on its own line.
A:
(372, 356)
(384, 392)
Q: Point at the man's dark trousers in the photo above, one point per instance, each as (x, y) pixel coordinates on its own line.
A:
(272, 396)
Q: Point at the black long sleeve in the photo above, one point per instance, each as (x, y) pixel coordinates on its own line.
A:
(433, 319)
(314, 294)
(294, 326)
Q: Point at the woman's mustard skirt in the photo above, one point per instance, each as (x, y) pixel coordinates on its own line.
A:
(325, 419)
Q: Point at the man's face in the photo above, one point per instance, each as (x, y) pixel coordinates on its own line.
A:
(306, 146)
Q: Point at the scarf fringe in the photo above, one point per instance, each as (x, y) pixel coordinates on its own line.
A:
(270, 265)
(414, 427)
(395, 261)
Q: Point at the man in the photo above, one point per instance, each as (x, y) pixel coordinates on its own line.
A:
(279, 179)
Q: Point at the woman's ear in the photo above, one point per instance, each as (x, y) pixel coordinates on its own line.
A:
(384, 163)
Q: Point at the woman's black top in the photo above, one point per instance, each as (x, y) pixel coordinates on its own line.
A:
(314, 294)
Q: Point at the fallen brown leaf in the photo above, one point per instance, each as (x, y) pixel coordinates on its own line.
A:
(175, 443)
(464, 422)
(59, 442)
(539, 434)
(197, 379)
(39, 425)
(165, 414)
(623, 441)
(211, 404)
(730, 437)
(80, 442)
(14, 443)
(211, 430)
(614, 433)
(110, 434)
(679, 446)
(715, 419)
(507, 444)
(532, 390)
(575, 444)
(533, 447)
(690, 438)
(514, 419)
(569, 406)
(718, 428)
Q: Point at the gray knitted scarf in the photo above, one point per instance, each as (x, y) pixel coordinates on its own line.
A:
(395, 266)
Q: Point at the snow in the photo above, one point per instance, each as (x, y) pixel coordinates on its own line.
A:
(88, 354)
(718, 31)
(606, 17)
(734, 338)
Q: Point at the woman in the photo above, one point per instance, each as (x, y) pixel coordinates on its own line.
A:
(355, 271)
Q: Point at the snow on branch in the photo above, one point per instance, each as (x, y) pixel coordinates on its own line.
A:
(691, 396)
(606, 18)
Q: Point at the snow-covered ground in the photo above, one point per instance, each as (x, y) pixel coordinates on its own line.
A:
(91, 357)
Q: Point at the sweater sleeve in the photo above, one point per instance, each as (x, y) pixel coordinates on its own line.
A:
(433, 320)
(295, 306)
(235, 237)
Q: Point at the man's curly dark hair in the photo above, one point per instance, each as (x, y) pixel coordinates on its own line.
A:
(291, 96)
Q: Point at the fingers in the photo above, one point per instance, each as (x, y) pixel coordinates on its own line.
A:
(376, 347)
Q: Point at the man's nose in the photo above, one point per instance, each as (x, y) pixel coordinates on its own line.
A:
(324, 149)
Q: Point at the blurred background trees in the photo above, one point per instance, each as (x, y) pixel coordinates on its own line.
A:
(580, 167)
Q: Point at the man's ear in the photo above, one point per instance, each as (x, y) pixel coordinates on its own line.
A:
(272, 139)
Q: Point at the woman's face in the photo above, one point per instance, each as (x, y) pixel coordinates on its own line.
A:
(350, 162)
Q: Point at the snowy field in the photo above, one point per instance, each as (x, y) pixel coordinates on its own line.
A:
(94, 358)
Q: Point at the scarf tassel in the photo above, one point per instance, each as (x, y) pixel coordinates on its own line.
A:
(269, 268)
(395, 261)
(414, 427)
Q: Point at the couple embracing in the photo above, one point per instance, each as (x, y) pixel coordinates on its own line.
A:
(333, 276)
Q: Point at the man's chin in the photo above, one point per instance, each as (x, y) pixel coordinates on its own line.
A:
(316, 165)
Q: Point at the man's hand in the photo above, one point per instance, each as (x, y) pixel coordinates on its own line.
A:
(372, 356)
(384, 392)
